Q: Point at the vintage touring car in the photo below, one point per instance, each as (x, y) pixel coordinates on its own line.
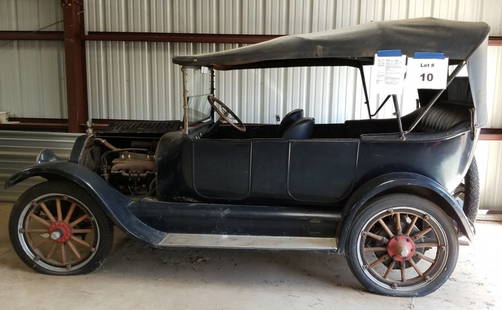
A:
(379, 191)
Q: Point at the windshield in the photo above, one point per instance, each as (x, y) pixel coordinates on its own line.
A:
(196, 88)
(199, 108)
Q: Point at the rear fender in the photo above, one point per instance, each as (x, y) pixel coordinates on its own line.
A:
(114, 202)
(412, 183)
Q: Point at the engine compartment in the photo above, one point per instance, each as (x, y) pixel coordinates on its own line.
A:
(128, 164)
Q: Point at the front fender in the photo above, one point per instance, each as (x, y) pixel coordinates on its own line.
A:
(397, 182)
(114, 202)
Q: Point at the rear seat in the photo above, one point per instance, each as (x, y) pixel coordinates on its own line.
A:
(443, 117)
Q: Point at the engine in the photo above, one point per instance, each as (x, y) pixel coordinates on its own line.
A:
(130, 169)
(132, 173)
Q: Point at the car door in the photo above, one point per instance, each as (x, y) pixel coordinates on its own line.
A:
(221, 168)
(307, 170)
(321, 170)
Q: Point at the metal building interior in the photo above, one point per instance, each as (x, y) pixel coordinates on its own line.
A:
(64, 63)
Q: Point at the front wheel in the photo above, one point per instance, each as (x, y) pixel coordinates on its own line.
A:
(402, 245)
(58, 228)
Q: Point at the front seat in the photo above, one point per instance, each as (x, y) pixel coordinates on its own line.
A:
(301, 129)
(289, 119)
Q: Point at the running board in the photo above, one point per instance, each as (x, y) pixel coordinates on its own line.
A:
(248, 242)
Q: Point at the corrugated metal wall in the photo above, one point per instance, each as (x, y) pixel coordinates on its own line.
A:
(137, 80)
(32, 76)
(18, 151)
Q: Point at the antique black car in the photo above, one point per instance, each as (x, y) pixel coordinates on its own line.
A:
(379, 191)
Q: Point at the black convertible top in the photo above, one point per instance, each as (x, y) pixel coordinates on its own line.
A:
(351, 46)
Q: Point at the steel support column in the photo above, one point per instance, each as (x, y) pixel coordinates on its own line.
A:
(74, 44)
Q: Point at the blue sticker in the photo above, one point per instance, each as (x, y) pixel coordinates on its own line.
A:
(389, 53)
(429, 55)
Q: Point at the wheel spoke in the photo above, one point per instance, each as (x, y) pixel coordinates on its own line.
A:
(34, 230)
(374, 249)
(63, 254)
(40, 220)
(52, 250)
(82, 242)
(47, 212)
(399, 228)
(375, 236)
(378, 261)
(386, 228)
(70, 212)
(58, 210)
(403, 276)
(426, 245)
(80, 219)
(74, 249)
(412, 263)
(412, 224)
(426, 258)
(421, 234)
(82, 231)
(389, 269)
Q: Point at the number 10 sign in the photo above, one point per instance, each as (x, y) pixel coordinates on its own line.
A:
(427, 70)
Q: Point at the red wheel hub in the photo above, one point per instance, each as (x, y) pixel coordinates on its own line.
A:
(60, 232)
(401, 248)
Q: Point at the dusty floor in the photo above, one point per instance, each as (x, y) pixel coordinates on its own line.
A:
(139, 277)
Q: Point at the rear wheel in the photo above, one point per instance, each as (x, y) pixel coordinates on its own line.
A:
(402, 245)
(58, 228)
(468, 192)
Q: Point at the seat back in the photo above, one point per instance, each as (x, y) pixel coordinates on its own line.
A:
(301, 129)
(444, 117)
(289, 119)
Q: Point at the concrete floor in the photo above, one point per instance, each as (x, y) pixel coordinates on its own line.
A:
(138, 277)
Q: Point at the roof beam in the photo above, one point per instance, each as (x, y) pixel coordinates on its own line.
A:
(32, 35)
(495, 41)
(162, 37)
(491, 134)
(201, 37)
(179, 37)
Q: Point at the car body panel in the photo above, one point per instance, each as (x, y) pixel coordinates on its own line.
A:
(311, 171)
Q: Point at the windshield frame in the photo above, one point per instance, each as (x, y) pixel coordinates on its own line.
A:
(185, 96)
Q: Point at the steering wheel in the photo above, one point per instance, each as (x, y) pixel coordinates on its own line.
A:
(224, 111)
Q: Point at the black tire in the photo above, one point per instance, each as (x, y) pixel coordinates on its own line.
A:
(103, 228)
(390, 205)
(471, 192)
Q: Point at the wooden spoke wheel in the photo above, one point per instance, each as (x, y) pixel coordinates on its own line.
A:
(55, 232)
(404, 246)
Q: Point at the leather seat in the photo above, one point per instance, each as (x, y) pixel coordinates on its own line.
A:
(444, 117)
(301, 129)
(289, 119)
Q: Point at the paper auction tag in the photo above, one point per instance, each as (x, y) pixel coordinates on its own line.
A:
(427, 71)
(387, 77)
